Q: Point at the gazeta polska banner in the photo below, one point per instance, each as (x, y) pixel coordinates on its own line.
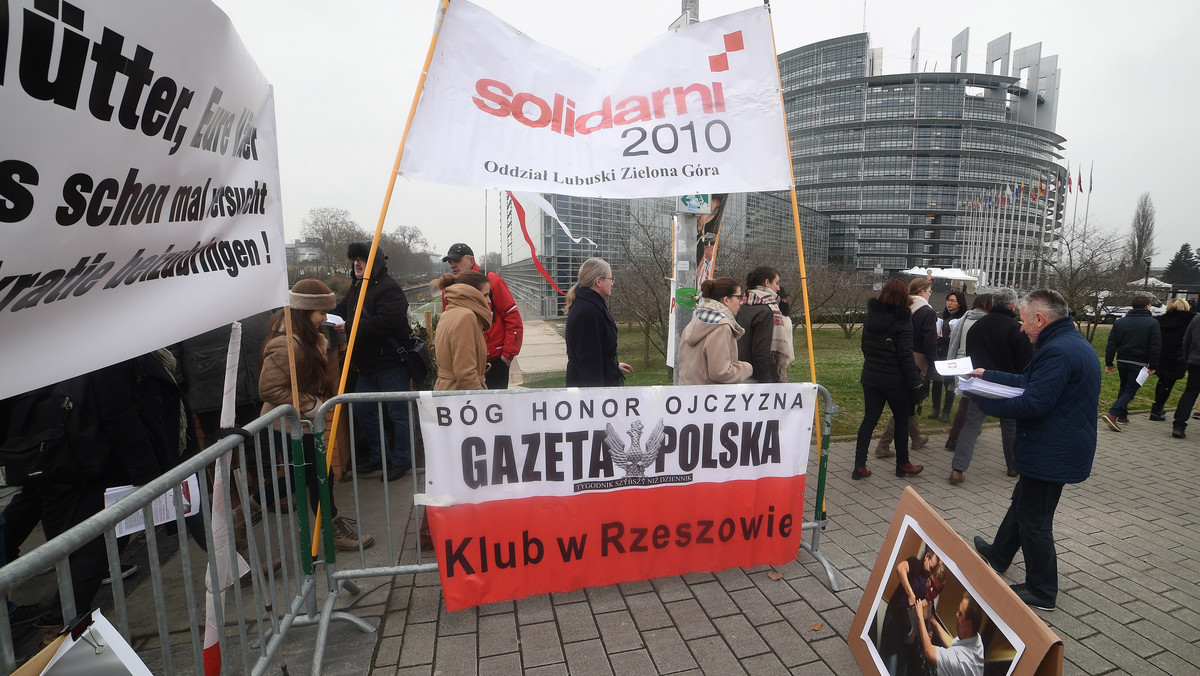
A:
(696, 111)
(536, 492)
(139, 183)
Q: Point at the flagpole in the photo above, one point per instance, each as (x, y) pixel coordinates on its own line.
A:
(1075, 215)
(819, 502)
(387, 200)
(1088, 203)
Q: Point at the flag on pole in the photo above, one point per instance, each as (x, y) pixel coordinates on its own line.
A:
(220, 526)
(696, 111)
(1069, 179)
(1091, 177)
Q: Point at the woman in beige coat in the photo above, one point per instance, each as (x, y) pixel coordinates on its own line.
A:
(708, 352)
(460, 345)
(316, 381)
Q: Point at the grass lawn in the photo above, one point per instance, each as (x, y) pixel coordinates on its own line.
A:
(839, 364)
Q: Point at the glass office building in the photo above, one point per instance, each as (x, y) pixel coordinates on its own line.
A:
(921, 169)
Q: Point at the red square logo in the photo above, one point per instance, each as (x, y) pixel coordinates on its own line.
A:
(733, 42)
(718, 63)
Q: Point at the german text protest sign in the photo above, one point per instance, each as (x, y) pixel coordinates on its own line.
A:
(139, 183)
(536, 492)
(697, 111)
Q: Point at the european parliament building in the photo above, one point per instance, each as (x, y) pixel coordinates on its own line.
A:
(941, 169)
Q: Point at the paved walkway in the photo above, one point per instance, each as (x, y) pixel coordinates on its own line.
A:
(1128, 558)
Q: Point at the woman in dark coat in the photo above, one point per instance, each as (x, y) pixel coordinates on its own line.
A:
(1171, 365)
(956, 307)
(890, 374)
(592, 331)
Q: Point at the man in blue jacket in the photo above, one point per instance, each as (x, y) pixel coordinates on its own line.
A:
(1056, 440)
(1136, 342)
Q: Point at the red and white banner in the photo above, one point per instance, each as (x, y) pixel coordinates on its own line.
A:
(697, 111)
(534, 492)
(139, 183)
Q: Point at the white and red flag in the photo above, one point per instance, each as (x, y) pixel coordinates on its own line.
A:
(697, 110)
(536, 492)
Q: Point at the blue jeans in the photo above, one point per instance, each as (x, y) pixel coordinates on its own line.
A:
(1129, 387)
(1029, 526)
(385, 380)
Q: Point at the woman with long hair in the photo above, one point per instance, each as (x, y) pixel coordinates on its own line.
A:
(708, 348)
(924, 321)
(767, 341)
(316, 380)
(956, 307)
(459, 342)
(1171, 364)
(592, 331)
(889, 375)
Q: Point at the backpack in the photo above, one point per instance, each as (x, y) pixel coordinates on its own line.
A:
(51, 435)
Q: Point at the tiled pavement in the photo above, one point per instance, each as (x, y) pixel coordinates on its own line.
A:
(1128, 560)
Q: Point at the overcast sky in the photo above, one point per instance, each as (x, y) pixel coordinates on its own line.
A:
(344, 76)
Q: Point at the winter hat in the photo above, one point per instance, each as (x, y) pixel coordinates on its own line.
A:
(311, 294)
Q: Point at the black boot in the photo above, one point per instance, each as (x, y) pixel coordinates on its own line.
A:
(1157, 413)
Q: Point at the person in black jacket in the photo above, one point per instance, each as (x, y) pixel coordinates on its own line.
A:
(1136, 342)
(131, 429)
(956, 307)
(759, 316)
(592, 331)
(924, 321)
(890, 374)
(378, 359)
(1171, 364)
(996, 343)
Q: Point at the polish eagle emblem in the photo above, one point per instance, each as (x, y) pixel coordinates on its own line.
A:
(638, 456)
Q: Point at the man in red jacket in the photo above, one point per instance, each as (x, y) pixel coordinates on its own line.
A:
(505, 334)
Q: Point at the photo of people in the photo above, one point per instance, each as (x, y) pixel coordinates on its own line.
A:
(928, 620)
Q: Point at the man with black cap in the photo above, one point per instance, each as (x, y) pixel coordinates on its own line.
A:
(505, 334)
(378, 358)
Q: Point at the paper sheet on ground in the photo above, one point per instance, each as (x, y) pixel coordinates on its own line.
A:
(163, 507)
(987, 389)
(954, 367)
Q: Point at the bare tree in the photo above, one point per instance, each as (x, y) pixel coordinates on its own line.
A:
(334, 230)
(643, 296)
(1139, 243)
(406, 248)
(1085, 270)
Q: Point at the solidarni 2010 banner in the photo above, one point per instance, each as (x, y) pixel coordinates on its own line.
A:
(139, 183)
(697, 111)
(537, 492)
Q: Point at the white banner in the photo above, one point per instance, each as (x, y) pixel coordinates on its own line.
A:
(593, 439)
(139, 184)
(697, 111)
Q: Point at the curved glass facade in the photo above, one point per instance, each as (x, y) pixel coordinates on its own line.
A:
(924, 169)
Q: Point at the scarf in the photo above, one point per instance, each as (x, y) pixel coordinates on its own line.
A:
(781, 334)
(712, 311)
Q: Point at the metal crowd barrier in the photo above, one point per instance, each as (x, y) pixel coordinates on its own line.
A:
(397, 530)
(276, 600)
(263, 610)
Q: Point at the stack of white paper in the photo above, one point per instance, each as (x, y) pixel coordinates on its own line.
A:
(987, 389)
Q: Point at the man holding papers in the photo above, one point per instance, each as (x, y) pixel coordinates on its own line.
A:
(1055, 445)
(1136, 341)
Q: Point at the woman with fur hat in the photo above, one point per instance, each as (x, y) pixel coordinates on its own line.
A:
(708, 348)
(459, 342)
(316, 379)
